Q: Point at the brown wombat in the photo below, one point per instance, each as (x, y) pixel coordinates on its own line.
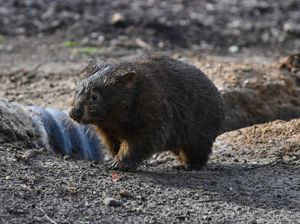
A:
(149, 104)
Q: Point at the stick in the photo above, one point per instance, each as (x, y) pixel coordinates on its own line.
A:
(46, 216)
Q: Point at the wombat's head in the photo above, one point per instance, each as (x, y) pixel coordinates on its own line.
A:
(107, 91)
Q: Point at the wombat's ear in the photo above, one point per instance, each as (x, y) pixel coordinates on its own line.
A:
(92, 68)
(89, 69)
(127, 77)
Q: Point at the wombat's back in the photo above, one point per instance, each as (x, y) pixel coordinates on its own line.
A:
(184, 87)
(193, 105)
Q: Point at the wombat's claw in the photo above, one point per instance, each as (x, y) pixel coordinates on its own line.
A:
(179, 167)
(113, 164)
(110, 164)
(121, 165)
(184, 167)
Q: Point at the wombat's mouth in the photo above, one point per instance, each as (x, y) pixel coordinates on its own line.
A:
(85, 120)
(79, 115)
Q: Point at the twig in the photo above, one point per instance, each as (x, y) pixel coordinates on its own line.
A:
(46, 216)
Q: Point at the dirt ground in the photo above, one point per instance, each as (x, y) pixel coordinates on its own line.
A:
(253, 174)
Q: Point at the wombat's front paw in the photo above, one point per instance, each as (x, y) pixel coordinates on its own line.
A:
(124, 165)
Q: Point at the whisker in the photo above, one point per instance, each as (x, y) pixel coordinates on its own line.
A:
(91, 131)
(67, 125)
(85, 131)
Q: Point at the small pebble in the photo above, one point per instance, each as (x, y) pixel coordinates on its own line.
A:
(234, 49)
(112, 202)
(125, 194)
(117, 19)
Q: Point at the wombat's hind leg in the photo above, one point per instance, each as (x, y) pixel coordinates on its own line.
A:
(196, 157)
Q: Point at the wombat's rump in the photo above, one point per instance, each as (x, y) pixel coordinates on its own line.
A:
(150, 104)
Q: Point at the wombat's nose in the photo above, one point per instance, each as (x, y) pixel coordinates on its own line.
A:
(76, 114)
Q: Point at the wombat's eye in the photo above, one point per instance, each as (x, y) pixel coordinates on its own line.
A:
(94, 97)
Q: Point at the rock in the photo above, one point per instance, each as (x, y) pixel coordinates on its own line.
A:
(233, 49)
(15, 124)
(117, 19)
(292, 28)
(112, 202)
(125, 194)
(290, 66)
(290, 63)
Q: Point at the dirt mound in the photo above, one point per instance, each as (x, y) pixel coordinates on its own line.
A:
(254, 93)
(276, 141)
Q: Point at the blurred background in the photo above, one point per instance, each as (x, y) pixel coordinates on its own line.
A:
(120, 27)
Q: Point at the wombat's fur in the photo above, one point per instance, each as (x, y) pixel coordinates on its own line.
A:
(150, 104)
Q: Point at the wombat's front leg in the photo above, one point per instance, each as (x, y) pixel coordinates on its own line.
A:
(130, 156)
(112, 144)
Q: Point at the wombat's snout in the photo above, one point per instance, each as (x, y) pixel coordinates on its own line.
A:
(76, 113)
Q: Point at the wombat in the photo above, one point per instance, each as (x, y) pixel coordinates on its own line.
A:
(148, 104)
